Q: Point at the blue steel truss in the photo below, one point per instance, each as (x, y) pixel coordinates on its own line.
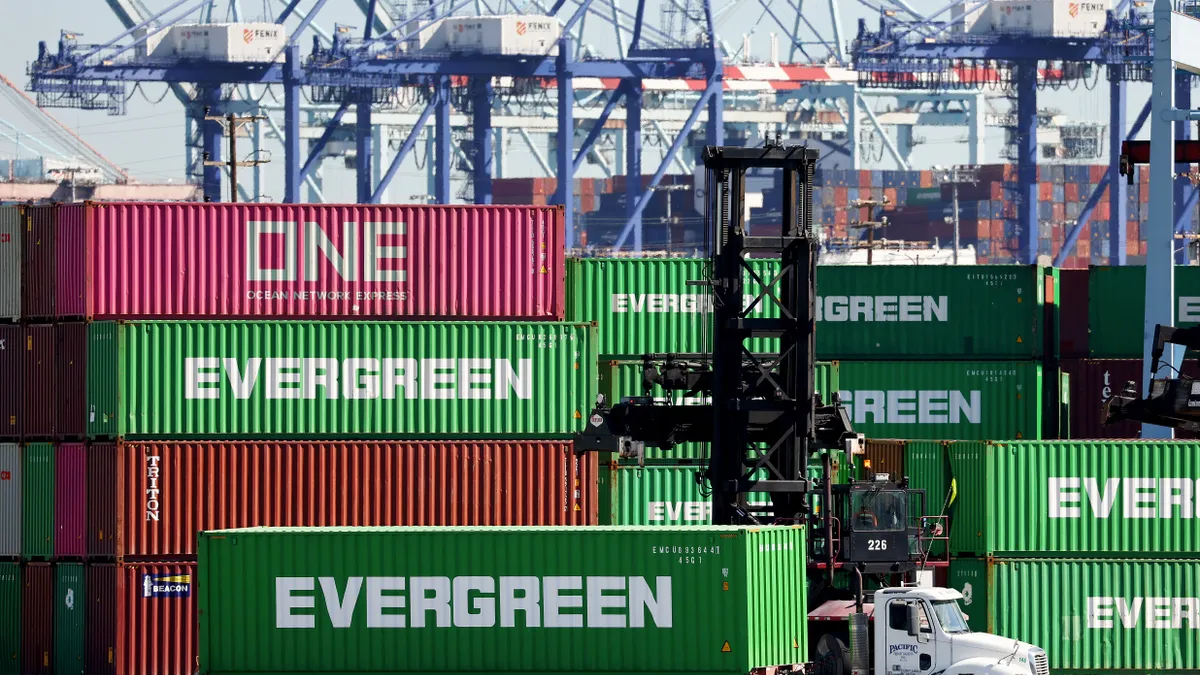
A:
(359, 70)
(926, 55)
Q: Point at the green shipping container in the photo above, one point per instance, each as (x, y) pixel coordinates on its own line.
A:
(670, 495)
(1138, 616)
(70, 606)
(621, 378)
(923, 196)
(247, 380)
(1079, 498)
(927, 465)
(10, 618)
(863, 312)
(520, 600)
(37, 501)
(1117, 303)
(968, 400)
(969, 576)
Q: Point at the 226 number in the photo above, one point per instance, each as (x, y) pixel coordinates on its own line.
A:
(877, 544)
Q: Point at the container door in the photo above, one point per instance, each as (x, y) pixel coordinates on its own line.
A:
(70, 606)
(37, 492)
(12, 374)
(910, 647)
(10, 618)
(10, 500)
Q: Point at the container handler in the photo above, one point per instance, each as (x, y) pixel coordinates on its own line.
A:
(1173, 402)
(765, 417)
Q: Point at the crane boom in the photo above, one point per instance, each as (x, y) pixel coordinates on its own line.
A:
(61, 133)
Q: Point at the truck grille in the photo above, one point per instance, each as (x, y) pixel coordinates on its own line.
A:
(1040, 665)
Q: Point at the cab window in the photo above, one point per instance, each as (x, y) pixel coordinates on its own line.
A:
(878, 511)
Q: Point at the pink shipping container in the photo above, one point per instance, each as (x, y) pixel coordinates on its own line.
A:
(70, 500)
(37, 619)
(171, 491)
(102, 500)
(191, 260)
(70, 374)
(1093, 380)
(157, 624)
(100, 639)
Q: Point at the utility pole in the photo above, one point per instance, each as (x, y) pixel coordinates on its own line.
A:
(871, 223)
(230, 124)
(959, 174)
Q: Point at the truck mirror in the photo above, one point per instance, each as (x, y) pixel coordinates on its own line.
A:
(914, 620)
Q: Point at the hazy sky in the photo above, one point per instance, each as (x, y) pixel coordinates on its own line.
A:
(149, 140)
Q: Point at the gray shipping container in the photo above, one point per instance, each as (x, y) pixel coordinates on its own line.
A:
(10, 263)
(10, 500)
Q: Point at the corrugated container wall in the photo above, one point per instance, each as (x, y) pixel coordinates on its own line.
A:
(37, 501)
(10, 618)
(188, 260)
(157, 623)
(1103, 615)
(328, 379)
(1094, 380)
(70, 498)
(1073, 304)
(40, 377)
(39, 266)
(683, 630)
(100, 619)
(103, 364)
(10, 262)
(102, 491)
(70, 362)
(969, 400)
(208, 486)
(37, 619)
(1115, 294)
(71, 246)
(70, 609)
(932, 311)
(1076, 498)
(10, 500)
(880, 312)
(885, 456)
(12, 373)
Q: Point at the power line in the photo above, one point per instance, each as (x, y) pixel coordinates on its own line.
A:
(229, 126)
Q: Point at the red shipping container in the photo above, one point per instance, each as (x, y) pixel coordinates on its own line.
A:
(1045, 191)
(193, 260)
(1094, 380)
(1142, 248)
(39, 263)
(100, 640)
(170, 491)
(158, 626)
(890, 195)
(37, 619)
(70, 500)
(926, 179)
(1132, 232)
(983, 229)
(997, 229)
(39, 395)
(841, 196)
(1071, 192)
(1096, 173)
(1134, 248)
(1073, 313)
(70, 277)
(1102, 212)
(102, 500)
(70, 359)
(1058, 211)
(12, 374)
(865, 178)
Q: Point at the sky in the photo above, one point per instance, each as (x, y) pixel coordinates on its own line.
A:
(149, 140)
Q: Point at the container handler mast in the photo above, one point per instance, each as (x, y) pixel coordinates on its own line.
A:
(765, 418)
(1173, 402)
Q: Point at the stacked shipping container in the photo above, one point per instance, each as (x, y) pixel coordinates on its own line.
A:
(341, 420)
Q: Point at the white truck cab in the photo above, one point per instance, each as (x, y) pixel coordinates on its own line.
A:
(923, 631)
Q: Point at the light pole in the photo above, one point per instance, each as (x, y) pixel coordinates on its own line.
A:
(956, 175)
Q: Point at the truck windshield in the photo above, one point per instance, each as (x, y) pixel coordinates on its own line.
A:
(950, 616)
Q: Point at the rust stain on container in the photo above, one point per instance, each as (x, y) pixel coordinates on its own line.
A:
(170, 491)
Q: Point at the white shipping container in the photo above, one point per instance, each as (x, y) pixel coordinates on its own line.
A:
(514, 34)
(1049, 18)
(155, 46)
(232, 42)
(971, 17)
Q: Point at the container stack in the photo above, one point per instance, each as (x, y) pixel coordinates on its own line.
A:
(1102, 347)
(192, 367)
(1087, 549)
